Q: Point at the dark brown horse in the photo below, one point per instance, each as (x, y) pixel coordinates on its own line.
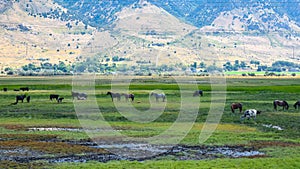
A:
(236, 106)
(198, 93)
(297, 104)
(54, 96)
(114, 95)
(281, 103)
(59, 100)
(24, 88)
(128, 96)
(20, 97)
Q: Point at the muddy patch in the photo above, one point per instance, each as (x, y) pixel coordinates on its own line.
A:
(182, 152)
(103, 153)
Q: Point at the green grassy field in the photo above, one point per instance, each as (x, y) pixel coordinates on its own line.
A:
(281, 147)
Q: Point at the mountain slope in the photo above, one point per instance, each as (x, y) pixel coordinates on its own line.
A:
(147, 33)
(29, 38)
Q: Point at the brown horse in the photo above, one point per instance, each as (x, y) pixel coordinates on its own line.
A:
(236, 106)
(297, 104)
(282, 103)
(127, 96)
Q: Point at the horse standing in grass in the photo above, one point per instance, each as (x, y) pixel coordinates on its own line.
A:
(157, 96)
(114, 95)
(198, 93)
(128, 96)
(24, 88)
(281, 103)
(20, 97)
(297, 104)
(236, 106)
(59, 100)
(54, 96)
(250, 113)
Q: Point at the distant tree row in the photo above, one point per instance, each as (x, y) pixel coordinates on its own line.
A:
(94, 64)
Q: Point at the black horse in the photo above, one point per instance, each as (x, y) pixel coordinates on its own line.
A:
(128, 96)
(20, 97)
(24, 88)
(297, 104)
(236, 106)
(59, 100)
(282, 103)
(198, 93)
(54, 96)
(114, 95)
(5, 89)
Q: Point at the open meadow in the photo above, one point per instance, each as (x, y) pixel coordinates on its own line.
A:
(96, 132)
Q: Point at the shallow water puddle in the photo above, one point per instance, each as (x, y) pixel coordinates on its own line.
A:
(273, 127)
(55, 129)
(69, 129)
(136, 146)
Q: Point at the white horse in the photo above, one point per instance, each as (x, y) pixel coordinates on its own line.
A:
(250, 113)
(157, 96)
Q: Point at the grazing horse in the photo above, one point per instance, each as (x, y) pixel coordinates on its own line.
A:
(282, 103)
(157, 96)
(59, 100)
(297, 104)
(250, 113)
(5, 89)
(54, 96)
(79, 96)
(20, 97)
(114, 95)
(236, 106)
(198, 93)
(127, 96)
(24, 88)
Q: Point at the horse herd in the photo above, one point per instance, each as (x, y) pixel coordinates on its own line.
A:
(83, 96)
(78, 95)
(152, 94)
(252, 112)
